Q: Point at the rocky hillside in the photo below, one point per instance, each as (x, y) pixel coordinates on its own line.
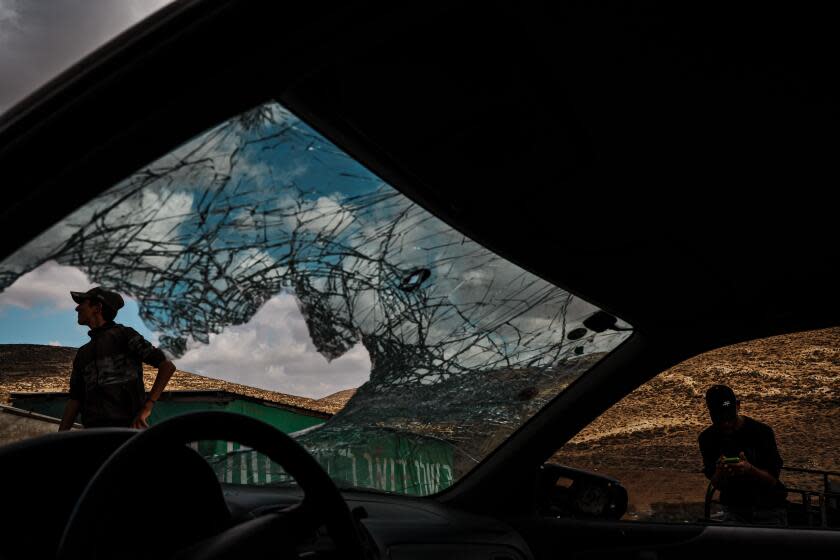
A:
(649, 439)
(28, 368)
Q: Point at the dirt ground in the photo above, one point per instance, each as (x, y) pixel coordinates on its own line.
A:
(649, 440)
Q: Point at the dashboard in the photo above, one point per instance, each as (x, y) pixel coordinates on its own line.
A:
(403, 528)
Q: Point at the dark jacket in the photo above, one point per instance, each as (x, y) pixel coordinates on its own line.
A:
(758, 443)
(107, 375)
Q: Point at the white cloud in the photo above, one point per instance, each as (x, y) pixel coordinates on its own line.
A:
(161, 212)
(274, 351)
(139, 9)
(325, 215)
(49, 242)
(157, 215)
(9, 16)
(48, 285)
(40, 39)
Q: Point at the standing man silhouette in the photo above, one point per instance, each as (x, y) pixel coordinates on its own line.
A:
(106, 383)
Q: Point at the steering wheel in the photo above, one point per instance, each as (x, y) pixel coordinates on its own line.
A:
(102, 514)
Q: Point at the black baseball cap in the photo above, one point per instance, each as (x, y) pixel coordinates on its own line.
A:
(721, 401)
(105, 297)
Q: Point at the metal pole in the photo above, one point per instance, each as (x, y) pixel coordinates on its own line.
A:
(823, 512)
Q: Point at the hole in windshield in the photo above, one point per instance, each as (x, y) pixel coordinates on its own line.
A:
(261, 240)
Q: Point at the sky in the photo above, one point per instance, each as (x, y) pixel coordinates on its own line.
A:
(291, 206)
(272, 351)
(40, 38)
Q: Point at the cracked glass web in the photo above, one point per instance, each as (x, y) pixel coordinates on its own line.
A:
(464, 345)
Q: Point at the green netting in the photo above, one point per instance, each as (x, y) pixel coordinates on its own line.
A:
(377, 459)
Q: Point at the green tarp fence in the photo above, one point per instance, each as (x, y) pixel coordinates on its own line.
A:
(285, 420)
(389, 462)
(365, 458)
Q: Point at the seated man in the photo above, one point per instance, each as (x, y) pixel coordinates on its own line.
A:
(741, 459)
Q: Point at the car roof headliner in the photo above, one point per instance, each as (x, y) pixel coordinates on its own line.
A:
(663, 166)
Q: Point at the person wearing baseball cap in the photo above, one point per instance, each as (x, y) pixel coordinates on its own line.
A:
(741, 459)
(106, 384)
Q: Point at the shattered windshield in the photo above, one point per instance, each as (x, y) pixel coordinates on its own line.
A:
(464, 346)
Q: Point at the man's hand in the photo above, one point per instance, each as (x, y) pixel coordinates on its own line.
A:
(742, 467)
(165, 371)
(71, 409)
(726, 470)
(141, 421)
(720, 470)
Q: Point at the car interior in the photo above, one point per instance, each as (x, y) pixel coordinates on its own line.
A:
(670, 164)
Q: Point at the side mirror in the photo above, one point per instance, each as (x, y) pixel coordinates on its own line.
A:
(568, 492)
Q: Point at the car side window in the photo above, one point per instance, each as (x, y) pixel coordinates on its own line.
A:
(787, 390)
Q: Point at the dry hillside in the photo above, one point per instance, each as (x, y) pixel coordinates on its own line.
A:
(36, 368)
(649, 439)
